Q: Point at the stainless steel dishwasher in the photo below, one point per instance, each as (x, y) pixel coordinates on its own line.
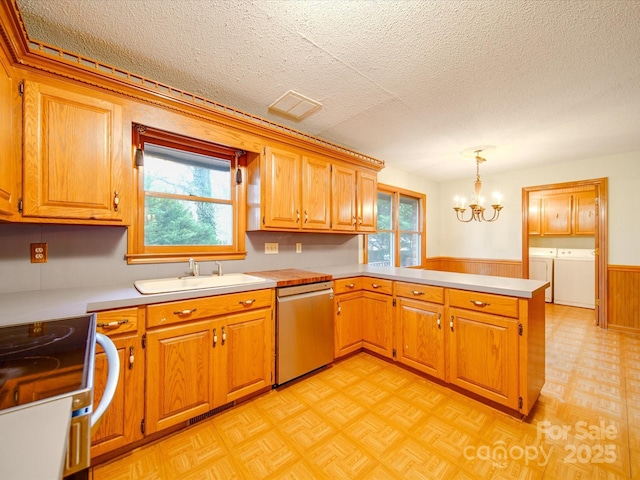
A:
(304, 329)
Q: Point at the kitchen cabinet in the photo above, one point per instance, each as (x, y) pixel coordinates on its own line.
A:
(296, 191)
(377, 316)
(72, 152)
(348, 317)
(354, 195)
(556, 219)
(420, 322)
(8, 165)
(207, 353)
(563, 213)
(584, 219)
(121, 422)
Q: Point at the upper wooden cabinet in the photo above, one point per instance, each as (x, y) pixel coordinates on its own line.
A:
(72, 149)
(584, 213)
(8, 165)
(563, 213)
(298, 191)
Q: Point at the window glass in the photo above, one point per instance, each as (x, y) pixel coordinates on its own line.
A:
(385, 211)
(409, 249)
(380, 247)
(409, 213)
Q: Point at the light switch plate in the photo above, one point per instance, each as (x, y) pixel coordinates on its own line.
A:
(298, 247)
(270, 248)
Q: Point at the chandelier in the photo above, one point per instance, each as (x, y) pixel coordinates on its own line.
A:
(476, 206)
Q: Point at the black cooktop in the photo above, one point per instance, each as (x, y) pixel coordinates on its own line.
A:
(45, 359)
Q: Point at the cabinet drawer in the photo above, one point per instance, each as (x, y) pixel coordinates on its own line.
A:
(484, 302)
(115, 322)
(417, 291)
(377, 285)
(345, 285)
(187, 310)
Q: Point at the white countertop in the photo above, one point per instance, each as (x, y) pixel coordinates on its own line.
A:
(32, 306)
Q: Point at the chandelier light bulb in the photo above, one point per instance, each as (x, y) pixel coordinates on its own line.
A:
(477, 205)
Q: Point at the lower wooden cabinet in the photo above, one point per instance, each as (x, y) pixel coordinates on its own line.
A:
(483, 355)
(121, 422)
(197, 366)
(420, 336)
(348, 323)
(377, 323)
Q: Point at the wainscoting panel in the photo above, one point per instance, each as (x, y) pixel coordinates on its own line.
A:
(478, 266)
(624, 298)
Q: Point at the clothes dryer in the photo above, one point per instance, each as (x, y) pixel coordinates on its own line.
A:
(541, 267)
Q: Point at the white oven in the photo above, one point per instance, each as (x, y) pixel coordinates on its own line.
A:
(46, 395)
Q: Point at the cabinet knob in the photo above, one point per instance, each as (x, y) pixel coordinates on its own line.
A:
(438, 321)
(297, 216)
(339, 309)
(350, 285)
(306, 217)
(451, 323)
(215, 337)
(224, 335)
(131, 358)
(116, 201)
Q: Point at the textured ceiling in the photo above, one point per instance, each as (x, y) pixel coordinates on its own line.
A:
(413, 83)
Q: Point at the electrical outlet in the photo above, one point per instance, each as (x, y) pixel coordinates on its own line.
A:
(39, 253)
(270, 248)
(298, 247)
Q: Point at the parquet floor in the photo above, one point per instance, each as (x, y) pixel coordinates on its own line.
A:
(368, 419)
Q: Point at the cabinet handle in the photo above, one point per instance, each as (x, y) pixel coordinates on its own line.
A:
(451, 323)
(359, 220)
(215, 337)
(297, 216)
(224, 335)
(306, 217)
(480, 304)
(116, 200)
(438, 321)
(131, 358)
(185, 312)
(376, 285)
(417, 292)
(350, 285)
(354, 221)
(113, 324)
(246, 303)
(339, 309)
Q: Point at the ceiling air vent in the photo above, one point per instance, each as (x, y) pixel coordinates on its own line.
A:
(295, 105)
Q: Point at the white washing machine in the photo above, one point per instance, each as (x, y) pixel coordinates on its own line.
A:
(541, 267)
(575, 278)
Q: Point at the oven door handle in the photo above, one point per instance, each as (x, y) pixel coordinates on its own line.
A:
(113, 362)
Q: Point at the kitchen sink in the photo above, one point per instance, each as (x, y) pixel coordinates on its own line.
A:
(177, 284)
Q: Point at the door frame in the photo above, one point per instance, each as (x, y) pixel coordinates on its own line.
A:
(601, 237)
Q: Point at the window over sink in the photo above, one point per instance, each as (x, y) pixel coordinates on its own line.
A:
(189, 193)
(401, 238)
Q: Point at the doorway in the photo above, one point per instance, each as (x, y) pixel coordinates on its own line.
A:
(599, 186)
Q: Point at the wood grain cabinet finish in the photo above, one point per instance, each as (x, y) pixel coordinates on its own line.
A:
(120, 424)
(73, 163)
(557, 210)
(195, 365)
(344, 214)
(316, 193)
(564, 213)
(8, 165)
(420, 328)
(584, 213)
(377, 323)
(367, 196)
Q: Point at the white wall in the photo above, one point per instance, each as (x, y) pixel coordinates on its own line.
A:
(503, 239)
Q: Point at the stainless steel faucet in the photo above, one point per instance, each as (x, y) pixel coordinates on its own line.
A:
(194, 268)
(219, 265)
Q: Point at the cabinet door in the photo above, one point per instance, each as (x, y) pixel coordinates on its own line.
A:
(483, 355)
(281, 200)
(367, 195)
(420, 334)
(8, 165)
(179, 372)
(343, 191)
(120, 425)
(556, 218)
(244, 355)
(377, 323)
(73, 166)
(534, 214)
(348, 323)
(585, 213)
(316, 193)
